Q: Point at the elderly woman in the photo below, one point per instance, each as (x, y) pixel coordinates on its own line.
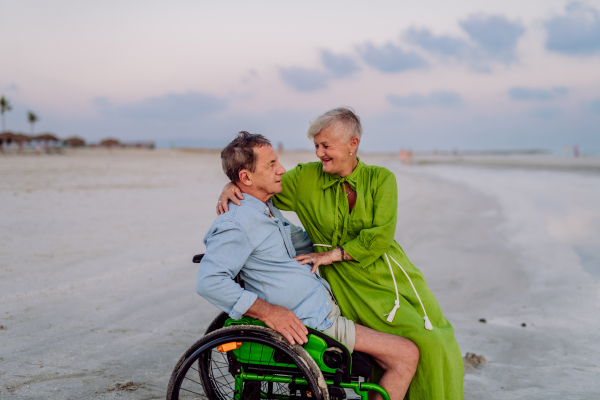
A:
(349, 210)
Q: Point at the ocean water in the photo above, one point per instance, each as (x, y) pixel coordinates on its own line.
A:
(538, 284)
(547, 212)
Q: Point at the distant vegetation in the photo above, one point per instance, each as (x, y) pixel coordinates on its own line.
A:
(32, 119)
(50, 140)
(4, 107)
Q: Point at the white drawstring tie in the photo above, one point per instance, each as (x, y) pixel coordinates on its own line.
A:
(392, 313)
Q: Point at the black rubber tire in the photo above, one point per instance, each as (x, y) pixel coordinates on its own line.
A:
(199, 350)
(217, 323)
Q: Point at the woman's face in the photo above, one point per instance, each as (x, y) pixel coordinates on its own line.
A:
(333, 151)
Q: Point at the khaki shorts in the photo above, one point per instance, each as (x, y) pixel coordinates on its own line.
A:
(342, 329)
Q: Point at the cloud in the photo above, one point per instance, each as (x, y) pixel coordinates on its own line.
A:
(438, 98)
(575, 33)
(12, 87)
(339, 65)
(309, 80)
(594, 106)
(390, 58)
(445, 46)
(544, 112)
(492, 39)
(170, 106)
(304, 80)
(495, 35)
(535, 94)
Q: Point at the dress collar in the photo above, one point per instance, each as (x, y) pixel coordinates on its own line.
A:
(332, 179)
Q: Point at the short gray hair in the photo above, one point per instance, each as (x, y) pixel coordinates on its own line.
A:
(239, 154)
(343, 115)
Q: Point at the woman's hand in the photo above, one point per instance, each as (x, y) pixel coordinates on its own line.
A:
(230, 192)
(324, 258)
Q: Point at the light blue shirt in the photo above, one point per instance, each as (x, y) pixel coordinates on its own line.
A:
(246, 240)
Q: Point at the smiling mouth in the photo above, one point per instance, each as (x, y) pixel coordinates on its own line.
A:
(325, 160)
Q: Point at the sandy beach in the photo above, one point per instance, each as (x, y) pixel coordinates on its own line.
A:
(97, 287)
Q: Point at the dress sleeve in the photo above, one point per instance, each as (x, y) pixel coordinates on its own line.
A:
(286, 200)
(372, 242)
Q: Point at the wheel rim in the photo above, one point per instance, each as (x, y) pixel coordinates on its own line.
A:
(206, 373)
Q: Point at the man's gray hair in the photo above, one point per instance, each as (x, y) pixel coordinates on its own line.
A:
(239, 154)
(343, 116)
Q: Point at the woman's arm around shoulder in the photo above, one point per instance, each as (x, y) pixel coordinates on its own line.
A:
(292, 183)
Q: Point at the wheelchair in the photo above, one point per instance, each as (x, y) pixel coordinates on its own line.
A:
(245, 360)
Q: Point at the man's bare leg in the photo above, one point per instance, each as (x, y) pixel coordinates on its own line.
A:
(398, 357)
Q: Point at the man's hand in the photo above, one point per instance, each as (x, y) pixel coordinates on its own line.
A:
(285, 322)
(279, 319)
(230, 192)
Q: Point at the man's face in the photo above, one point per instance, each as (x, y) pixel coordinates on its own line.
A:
(266, 179)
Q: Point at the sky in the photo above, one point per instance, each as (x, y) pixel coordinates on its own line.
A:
(427, 75)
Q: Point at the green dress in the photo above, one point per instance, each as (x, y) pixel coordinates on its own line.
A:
(364, 288)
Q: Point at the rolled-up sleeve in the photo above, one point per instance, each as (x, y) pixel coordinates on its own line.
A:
(227, 249)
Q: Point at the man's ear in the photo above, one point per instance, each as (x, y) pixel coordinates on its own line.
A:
(245, 178)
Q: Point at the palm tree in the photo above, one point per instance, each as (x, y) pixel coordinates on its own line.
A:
(32, 118)
(4, 106)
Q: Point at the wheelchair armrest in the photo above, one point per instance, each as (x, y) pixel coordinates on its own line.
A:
(331, 342)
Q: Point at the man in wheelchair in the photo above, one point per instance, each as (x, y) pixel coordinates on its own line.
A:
(255, 241)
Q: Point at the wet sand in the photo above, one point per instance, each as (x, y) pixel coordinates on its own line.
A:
(97, 284)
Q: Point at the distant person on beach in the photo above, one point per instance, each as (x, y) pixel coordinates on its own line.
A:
(255, 240)
(349, 210)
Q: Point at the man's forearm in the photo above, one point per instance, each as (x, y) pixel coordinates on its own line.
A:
(259, 310)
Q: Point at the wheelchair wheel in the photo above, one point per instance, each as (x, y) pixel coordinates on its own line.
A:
(217, 323)
(246, 363)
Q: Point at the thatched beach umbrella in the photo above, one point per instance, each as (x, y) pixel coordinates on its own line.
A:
(6, 135)
(74, 141)
(110, 142)
(21, 138)
(6, 138)
(46, 137)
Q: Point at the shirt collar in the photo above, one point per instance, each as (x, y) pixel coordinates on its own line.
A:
(331, 179)
(256, 204)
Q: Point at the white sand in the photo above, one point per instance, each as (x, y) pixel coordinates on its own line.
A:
(97, 284)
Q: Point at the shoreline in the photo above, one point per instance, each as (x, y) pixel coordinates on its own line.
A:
(97, 284)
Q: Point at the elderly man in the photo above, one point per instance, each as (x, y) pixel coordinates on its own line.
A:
(255, 240)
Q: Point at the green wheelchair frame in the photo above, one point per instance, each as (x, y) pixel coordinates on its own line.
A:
(317, 347)
(245, 360)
